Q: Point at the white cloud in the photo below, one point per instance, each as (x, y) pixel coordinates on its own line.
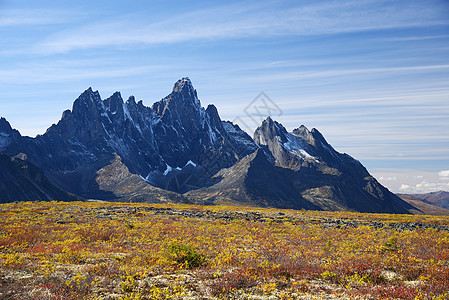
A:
(424, 187)
(411, 181)
(388, 178)
(405, 187)
(444, 175)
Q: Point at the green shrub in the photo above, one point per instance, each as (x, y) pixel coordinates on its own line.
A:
(185, 256)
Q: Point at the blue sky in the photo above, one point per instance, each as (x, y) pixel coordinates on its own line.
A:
(372, 76)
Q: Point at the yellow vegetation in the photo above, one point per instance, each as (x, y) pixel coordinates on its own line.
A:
(89, 250)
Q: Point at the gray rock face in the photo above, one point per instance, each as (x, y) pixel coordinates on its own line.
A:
(176, 144)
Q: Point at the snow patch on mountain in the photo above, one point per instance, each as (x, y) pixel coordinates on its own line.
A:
(126, 112)
(239, 136)
(190, 163)
(168, 170)
(212, 135)
(295, 145)
(106, 131)
(104, 114)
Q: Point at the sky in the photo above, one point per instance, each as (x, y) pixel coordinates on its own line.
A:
(372, 76)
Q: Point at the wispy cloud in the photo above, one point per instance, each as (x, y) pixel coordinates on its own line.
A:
(417, 38)
(238, 21)
(31, 17)
(282, 76)
(56, 71)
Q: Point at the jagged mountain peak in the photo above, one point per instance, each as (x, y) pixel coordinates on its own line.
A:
(182, 100)
(9, 137)
(269, 122)
(89, 100)
(183, 90)
(302, 130)
(271, 129)
(117, 94)
(90, 94)
(183, 84)
(114, 103)
(5, 132)
(268, 131)
(212, 111)
(5, 126)
(183, 95)
(308, 136)
(289, 150)
(312, 137)
(301, 143)
(131, 99)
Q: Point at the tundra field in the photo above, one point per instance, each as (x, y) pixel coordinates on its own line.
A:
(101, 250)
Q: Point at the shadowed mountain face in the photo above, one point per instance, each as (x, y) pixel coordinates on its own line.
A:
(255, 181)
(176, 150)
(301, 170)
(20, 180)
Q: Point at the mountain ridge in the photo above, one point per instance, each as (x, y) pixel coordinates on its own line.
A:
(180, 151)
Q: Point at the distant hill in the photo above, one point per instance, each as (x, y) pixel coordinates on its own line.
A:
(424, 207)
(440, 198)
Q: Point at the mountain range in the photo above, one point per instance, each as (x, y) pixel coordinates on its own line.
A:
(177, 150)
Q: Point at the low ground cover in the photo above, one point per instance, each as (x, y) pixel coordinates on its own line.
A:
(99, 250)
